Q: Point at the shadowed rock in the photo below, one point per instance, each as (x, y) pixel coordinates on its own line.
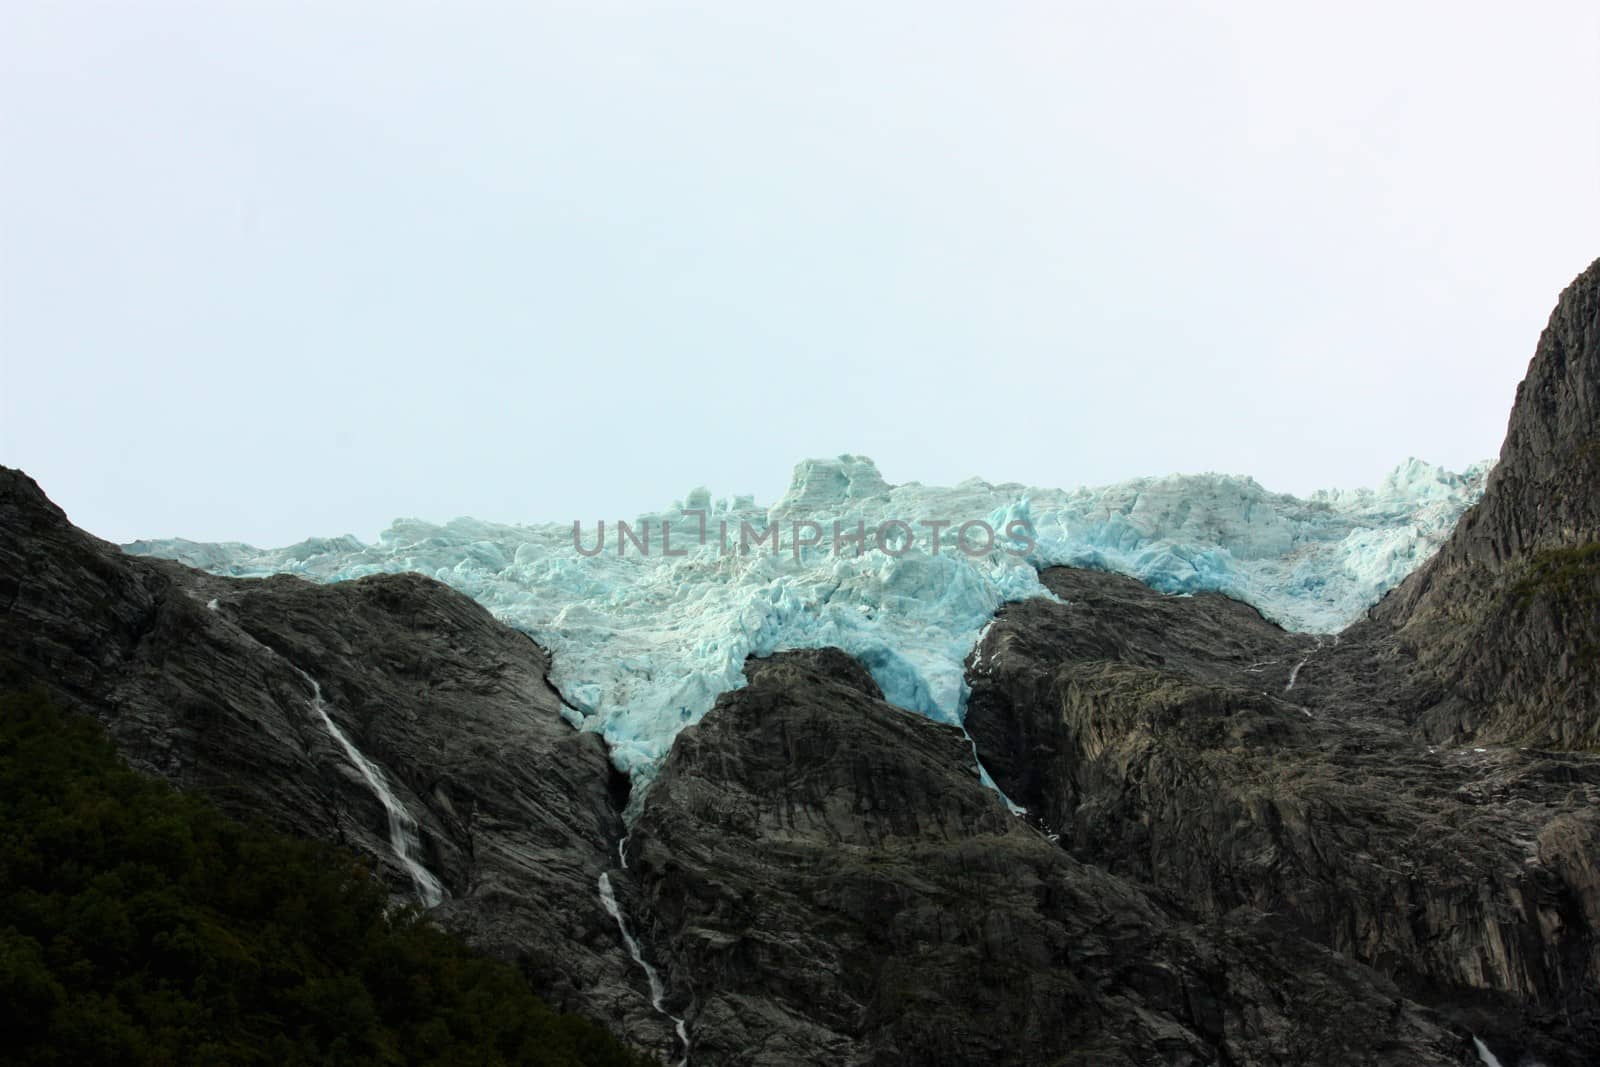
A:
(207, 682)
(829, 882)
(1507, 615)
(1368, 789)
(1243, 846)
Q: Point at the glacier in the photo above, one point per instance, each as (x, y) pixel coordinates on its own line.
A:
(643, 643)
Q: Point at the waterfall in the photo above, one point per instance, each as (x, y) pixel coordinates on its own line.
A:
(1295, 674)
(404, 838)
(984, 778)
(658, 992)
(987, 781)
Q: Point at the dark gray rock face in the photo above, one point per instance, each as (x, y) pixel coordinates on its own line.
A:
(1507, 615)
(1244, 847)
(1156, 735)
(828, 882)
(208, 682)
(1194, 748)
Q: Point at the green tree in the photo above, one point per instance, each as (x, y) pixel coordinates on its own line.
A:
(139, 925)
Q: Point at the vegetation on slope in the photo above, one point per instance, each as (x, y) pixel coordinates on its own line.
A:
(1566, 581)
(138, 925)
(1568, 573)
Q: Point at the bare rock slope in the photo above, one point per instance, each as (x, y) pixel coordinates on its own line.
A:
(1243, 846)
(211, 682)
(1418, 794)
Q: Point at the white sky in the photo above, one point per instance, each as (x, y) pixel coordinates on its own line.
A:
(276, 269)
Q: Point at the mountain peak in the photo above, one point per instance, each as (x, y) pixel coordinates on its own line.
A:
(1505, 611)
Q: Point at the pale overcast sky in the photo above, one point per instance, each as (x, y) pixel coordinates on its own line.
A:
(275, 269)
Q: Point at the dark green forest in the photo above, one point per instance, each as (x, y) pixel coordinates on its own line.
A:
(139, 925)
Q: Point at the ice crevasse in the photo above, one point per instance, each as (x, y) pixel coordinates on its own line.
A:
(643, 643)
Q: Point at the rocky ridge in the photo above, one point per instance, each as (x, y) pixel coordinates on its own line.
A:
(831, 883)
(1507, 615)
(210, 682)
(1418, 794)
(1243, 846)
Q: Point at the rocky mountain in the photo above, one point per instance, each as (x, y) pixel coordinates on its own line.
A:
(1418, 793)
(1196, 750)
(272, 695)
(1507, 616)
(648, 627)
(832, 884)
(1242, 845)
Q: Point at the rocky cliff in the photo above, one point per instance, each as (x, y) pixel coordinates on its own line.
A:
(1507, 615)
(215, 683)
(1417, 794)
(818, 876)
(1163, 741)
(831, 883)
(1242, 846)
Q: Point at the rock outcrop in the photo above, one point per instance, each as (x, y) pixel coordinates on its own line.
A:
(1507, 615)
(830, 883)
(1161, 739)
(1417, 793)
(210, 682)
(1243, 846)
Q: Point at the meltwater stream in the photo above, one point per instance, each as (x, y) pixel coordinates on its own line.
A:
(1294, 675)
(404, 837)
(658, 992)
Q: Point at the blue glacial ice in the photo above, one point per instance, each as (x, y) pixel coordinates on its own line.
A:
(644, 644)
